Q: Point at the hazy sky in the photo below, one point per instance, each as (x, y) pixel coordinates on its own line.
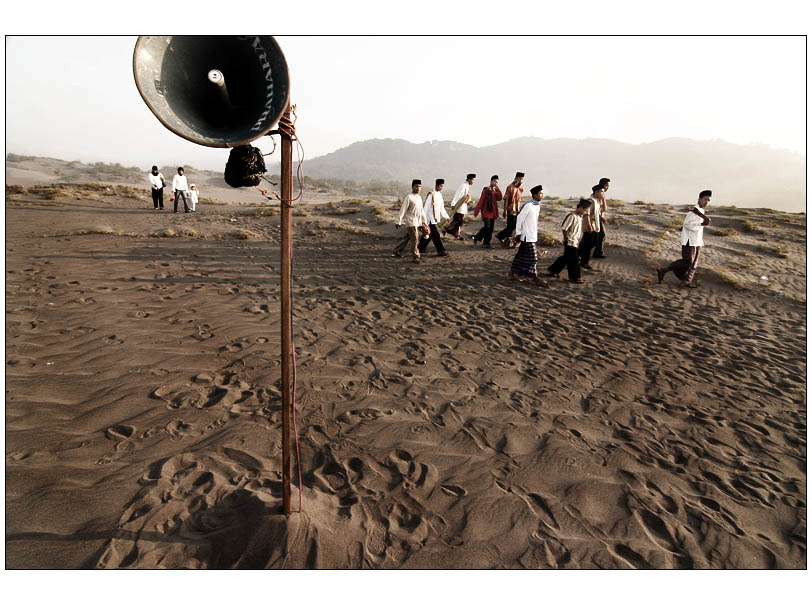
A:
(74, 98)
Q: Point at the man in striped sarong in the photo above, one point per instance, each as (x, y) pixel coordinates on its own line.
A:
(524, 263)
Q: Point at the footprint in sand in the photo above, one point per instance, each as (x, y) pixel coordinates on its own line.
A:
(257, 309)
(178, 429)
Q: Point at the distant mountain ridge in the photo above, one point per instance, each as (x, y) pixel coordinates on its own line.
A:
(666, 171)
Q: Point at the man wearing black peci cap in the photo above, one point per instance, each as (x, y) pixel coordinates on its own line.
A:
(601, 235)
(488, 205)
(434, 210)
(411, 215)
(513, 198)
(460, 206)
(157, 182)
(527, 232)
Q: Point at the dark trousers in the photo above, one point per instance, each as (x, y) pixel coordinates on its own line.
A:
(584, 249)
(685, 267)
(599, 237)
(485, 234)
(570, 260)
(183, 195)
(158, 198)
(455, 226)
(509, 228)
(436, 239)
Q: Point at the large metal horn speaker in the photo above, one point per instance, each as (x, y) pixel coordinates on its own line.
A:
(218, 91)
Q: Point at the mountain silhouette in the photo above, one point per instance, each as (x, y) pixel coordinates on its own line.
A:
(666, 171)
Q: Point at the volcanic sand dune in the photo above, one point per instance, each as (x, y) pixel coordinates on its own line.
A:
(447, 418)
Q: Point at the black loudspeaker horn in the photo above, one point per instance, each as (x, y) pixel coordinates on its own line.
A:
(218, 91)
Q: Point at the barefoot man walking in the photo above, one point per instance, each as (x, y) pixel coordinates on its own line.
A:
(693, 225)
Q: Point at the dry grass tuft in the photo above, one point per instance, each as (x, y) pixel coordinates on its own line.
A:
(749, 227)
(721, 232)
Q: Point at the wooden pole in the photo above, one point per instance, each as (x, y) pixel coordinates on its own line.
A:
(285, 223)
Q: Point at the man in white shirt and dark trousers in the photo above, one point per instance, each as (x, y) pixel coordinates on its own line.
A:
(591, 231)
(601, 235)
(180, 188)
(572, 231)
(434, 210)
(463, 194)
(411, 215)
(157, 182)
(693, 225)
(527, 232)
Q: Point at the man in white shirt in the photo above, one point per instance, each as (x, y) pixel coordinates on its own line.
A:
(527, 232)
(434, 211)
(460, 205)
(692, 227)
(157, 182)
(572, 232)
(180, 188)
(411, 215)
(601, 235)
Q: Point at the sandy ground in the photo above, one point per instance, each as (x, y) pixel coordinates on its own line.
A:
(447, 418)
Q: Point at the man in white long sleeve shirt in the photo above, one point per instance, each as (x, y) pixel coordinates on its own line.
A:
(692, 242)
(411, 215)
(434, 211)
(527, 232)
(463, 194)
(180, 188)
(157, 183)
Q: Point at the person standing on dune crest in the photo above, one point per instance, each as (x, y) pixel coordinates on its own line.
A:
(693, 225)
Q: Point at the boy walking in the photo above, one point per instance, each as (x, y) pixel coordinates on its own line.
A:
(572, 231)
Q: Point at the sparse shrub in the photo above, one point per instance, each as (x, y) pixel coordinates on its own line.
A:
(749, 227)
(722, 232)
(779, 251)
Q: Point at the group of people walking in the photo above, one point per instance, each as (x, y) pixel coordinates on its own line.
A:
(583, 230)
(180, 190)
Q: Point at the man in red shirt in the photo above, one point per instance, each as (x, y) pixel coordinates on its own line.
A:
(488, 205)
(513, 198)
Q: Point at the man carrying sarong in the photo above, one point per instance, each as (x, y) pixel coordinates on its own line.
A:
(463, 195)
